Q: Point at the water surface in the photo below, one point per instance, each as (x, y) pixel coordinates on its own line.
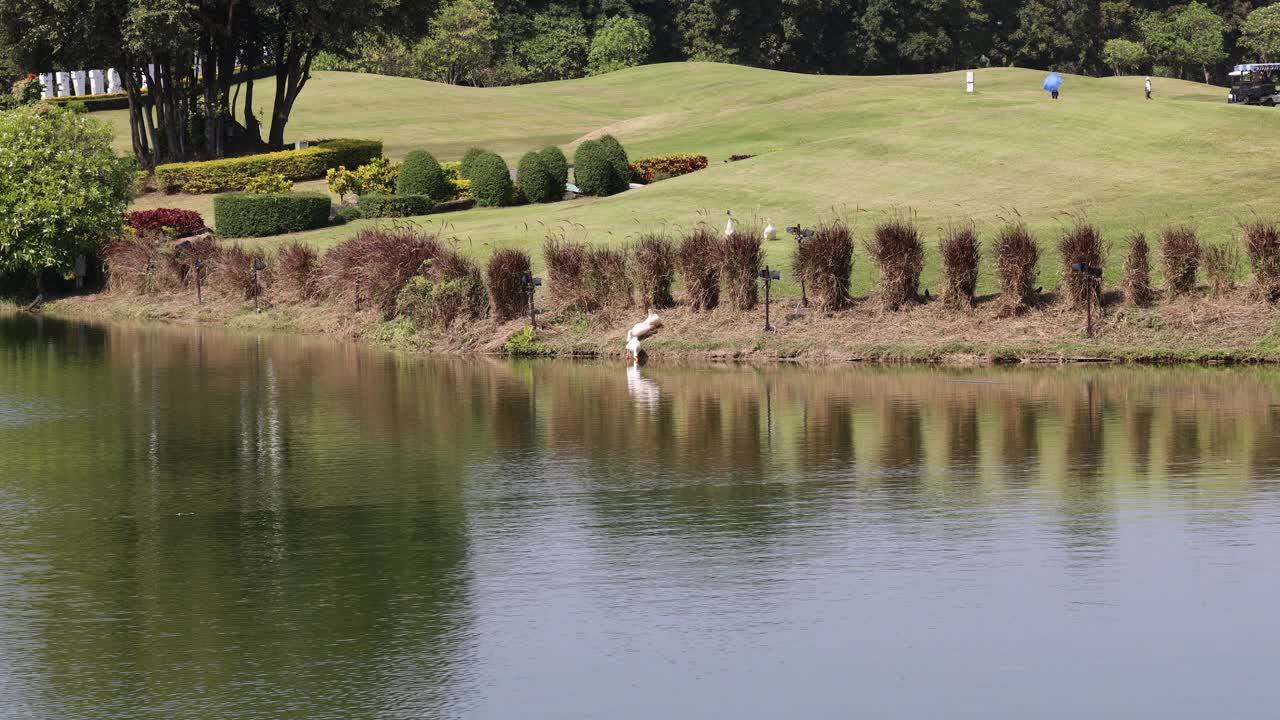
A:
(195, 524)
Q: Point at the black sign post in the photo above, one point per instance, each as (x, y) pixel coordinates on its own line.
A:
(1093, 278)
(768, 276)
(801, 234)
(531, 284)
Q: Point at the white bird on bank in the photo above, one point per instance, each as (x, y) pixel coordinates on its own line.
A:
(728, 226)
(642, 330)
(769, 232)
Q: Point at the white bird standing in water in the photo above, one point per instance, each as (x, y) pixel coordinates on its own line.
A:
(769, 232)
(643, 330)
(728, 226)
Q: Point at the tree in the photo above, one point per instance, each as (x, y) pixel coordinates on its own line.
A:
(557, 49)
(1200, 33)
(63, 189)
(462, 41)
(1261, 33)
(621, 42)
(1124, 56)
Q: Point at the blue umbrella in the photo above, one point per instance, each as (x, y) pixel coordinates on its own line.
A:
(1052, 82)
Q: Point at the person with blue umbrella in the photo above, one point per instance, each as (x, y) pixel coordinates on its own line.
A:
(1052, 84)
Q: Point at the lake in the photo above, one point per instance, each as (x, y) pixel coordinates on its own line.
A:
(200, 524)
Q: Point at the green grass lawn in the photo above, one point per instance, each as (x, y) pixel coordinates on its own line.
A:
(861, 147)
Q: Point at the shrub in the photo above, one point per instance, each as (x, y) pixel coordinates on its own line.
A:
(558, 166)
(172, 220)
(268, 184)
(1082, 243)
(898, 252)
(63, 191)
(1262, 246)
(459, 187)
(468, 160)
(374, 266)
(653, 269)
(1137, 272)
(593, 171)
(296, 267)
(740, 268)
(961, 254)
(346, 214)
(618, 158)
(1221, 261)
(76, 106)
(232, 174)
(420, 174)
(450, 287)
(232, 273)
(242, 215)
(737, 158)
(698, 260)
(524, 343)
(395, 206)
(346, 152)
(650, 169)
(536, 181)
(504, 279)
(1180, 256)
(376, 176)
(1016, 255)
(491, 181)
(824, 262)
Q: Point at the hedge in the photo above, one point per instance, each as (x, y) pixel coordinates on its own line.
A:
(491, 181)
(420, 174)
(310, 163)
(376, 205)
(647, 170)
(594, 173)
(536, 181)
(242, 215)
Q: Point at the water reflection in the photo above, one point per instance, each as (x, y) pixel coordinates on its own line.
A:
(202, 524)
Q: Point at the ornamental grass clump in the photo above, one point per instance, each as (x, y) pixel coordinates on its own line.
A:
(1180, 255)
(1262, 246)
(134, 265)
(1221, 262)
(898, 252)
(232, 273)
(653, 269)
(1082, 243)
(585, 278)
(961, 256)
(295, 270)
(740, 268)
(1137, 273)
(373, 267)
(189, 257)
(824, 262)
(1016, 256)
(698, 260)
(505, 280)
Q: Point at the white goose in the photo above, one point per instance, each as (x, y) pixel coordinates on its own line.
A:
(642, 330)
(769, 232)
(728, 226)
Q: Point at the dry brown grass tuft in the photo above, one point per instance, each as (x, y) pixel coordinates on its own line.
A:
(1180, 255)
(898, 252)
(584, 277)
(375, 265)
(824, 262)
(232, 274)
(961, 257)
(1016, 257)
(1137, 273)
(653, 269)
(1221, 262)
(504, 279)
(698, 260)
(740, 269)
(1262, 245)
(296, 267)
(1082, 243)
(134, 265)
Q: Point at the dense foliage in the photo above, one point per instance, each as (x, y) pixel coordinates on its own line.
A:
(534, 40)
(376, 205)
(311, 163)
(245, 215)
(421, 174)
(536, 181)
(663, 167)
(176, 220)
(491, 181)
(63, 190)
(600, 167)
(557, 164)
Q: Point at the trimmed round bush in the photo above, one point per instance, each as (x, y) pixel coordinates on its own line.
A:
(247, 215)
(535, 180)
(468, 159)
(376, 205)
(618, 157)
(420, 174)
(593, 172)
(491, 181)
(558, 165)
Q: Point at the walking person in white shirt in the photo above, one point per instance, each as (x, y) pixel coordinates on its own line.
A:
(1148, 88)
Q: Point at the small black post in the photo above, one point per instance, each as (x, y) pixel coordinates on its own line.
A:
(199, 268)
(531, 284)
(801, 235)
(768, 276)
(1093, 282)
(256, 267)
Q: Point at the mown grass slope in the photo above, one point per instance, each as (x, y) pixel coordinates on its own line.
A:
(864, 147)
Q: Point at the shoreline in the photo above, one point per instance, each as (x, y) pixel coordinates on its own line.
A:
(1233, 329)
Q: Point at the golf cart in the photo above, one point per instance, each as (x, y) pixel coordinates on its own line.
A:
(1255, 84)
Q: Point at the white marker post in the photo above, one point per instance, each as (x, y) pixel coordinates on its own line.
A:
(968, 82)
(97, 83)
(113, 81)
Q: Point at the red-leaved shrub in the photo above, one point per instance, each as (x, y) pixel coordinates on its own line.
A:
(661, 167)
(174, 220)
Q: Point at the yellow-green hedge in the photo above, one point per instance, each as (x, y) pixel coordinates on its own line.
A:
(230, 174)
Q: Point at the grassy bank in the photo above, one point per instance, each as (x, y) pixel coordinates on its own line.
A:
(860, 146)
